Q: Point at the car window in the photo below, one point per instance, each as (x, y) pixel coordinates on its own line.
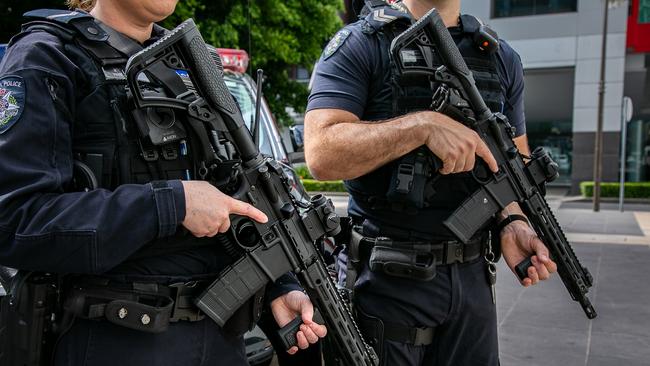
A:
(246, 100)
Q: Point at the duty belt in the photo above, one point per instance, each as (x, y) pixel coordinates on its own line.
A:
(410, 259)
(147, 307)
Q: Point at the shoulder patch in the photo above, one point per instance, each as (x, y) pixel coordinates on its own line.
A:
(336, 42)
(12, 101)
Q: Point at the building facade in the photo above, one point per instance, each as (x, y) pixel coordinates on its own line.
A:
(560, 44)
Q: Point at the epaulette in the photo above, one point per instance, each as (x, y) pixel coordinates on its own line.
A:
(383, 12)
(83, 23)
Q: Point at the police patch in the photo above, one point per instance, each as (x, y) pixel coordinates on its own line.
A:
(12, 101)
(336, 42)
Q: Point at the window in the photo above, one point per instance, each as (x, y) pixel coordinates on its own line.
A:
(644, 11)
(514, 8)
(246, 101)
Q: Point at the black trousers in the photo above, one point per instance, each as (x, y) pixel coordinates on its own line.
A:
(100, 343)
(457, 303)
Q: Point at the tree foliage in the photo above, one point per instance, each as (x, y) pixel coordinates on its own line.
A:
(277, 34)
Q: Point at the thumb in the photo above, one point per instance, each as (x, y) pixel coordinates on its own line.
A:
(306, 311)
(540, 250)
(244, 209)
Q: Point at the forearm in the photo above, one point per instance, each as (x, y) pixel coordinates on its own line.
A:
(351, 148)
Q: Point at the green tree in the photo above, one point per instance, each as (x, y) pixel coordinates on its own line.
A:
(276, 34)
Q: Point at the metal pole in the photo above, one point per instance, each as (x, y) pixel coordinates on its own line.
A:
(624, 121)
(598, 143)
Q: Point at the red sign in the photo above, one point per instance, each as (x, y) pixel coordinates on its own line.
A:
(638, 27)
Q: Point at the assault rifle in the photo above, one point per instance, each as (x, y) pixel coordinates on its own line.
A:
(457, 96)
(267, 251)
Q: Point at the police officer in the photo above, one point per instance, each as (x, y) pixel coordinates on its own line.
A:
(142, 235)
(357, 128)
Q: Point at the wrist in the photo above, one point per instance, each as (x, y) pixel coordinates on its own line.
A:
(510, 220)
(425, 123)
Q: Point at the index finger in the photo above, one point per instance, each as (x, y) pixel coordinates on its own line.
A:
(244, 209)
(484, 152)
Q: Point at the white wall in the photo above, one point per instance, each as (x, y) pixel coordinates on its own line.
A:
(571, 40)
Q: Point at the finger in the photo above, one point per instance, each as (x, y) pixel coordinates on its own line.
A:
(309, 334)
(224, 226)
(551, 266)
(542, 271)
(292, 350)
(198, 234)
(447, 167)
(214, 232)
(543, 256)
(484, 152)
(460, 164)
(532, 274)
(244, 209)
(469, 163)
(302, 341)
(526, 282)
(318, 329)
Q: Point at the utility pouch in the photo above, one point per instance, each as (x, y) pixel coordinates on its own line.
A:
(408, 184)
(143, 312)
(417, 262)
(27, 320)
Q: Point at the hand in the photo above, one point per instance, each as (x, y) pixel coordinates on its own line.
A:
(456, 145)
(518, 242)
(286, 307)
(208, 209)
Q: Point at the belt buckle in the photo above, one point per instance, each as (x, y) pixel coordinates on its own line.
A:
(180, 311)
(455, 252)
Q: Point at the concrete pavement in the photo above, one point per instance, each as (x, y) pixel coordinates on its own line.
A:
(541, 325)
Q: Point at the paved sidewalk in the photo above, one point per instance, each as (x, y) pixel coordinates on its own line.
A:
(542, 326)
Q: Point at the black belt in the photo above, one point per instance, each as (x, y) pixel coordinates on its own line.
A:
(148, 307)
(444, 252)
(408, 259)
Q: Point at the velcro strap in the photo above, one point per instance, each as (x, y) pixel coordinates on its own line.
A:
(165, 208)
(409, 335)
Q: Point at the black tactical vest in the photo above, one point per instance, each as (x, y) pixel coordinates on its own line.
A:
(108, 146)
(446, 193)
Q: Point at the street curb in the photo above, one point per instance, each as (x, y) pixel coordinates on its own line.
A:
(608, 239)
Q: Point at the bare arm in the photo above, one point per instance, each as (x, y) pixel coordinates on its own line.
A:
(340, 146)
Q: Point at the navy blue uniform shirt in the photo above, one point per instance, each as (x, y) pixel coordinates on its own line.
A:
(354, 75)
(45, 228)
(41, 226)
(356, 78)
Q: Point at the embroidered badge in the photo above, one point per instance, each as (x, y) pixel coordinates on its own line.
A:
(336, 42)
(12, 101)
